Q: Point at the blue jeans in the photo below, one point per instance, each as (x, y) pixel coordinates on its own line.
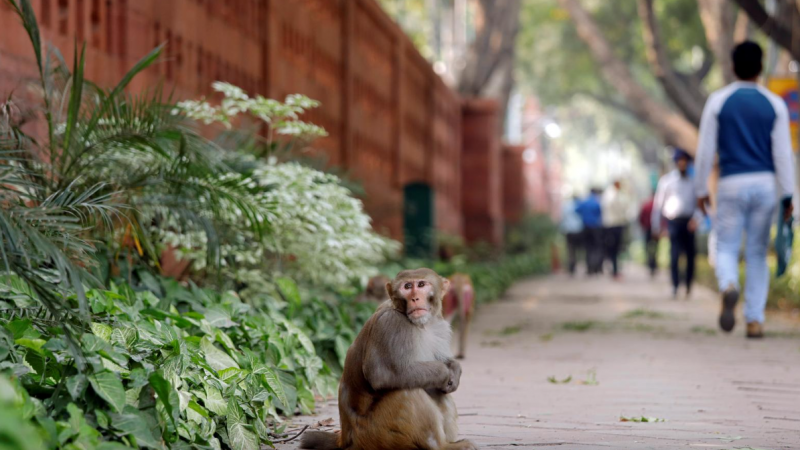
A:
(748, 209)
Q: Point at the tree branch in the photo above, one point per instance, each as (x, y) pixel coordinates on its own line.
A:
(717, 17)
(673, 128)
(610, 102)
(494, 44)
(779, 29)
(684, 95)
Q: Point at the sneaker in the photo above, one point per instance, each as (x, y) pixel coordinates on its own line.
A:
(727, 318)
(755, 330)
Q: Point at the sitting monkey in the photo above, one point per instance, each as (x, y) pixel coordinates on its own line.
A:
(398, 374)
(459, 303)
(375, 290)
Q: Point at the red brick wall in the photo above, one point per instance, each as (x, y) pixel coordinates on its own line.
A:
(514, 204)
(481, 171)
(391, 120)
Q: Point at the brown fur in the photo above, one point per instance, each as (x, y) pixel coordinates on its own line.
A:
(460, 304)
(375, 290)
(398, 376)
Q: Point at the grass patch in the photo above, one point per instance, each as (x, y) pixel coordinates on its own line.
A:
(699, 329)
(641, 419)
(641, 313)
(546, 337)
(509, 331)
(787, 334)
(579, 326)
(554, 380)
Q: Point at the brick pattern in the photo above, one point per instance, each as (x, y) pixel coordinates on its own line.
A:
(391, 120)
(481, 172)
(513, 184)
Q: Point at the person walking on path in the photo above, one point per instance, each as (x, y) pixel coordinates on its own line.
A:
(592, 217)
(616, 208)
(675, 201)
(747, 126)
(650, 238)
(572, 227)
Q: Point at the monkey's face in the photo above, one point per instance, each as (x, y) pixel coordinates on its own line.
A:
(418, 293)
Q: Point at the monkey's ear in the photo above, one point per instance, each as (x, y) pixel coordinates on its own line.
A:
(389, 290)
(445, 285)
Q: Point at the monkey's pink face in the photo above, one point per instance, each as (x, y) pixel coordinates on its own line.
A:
(419, 295)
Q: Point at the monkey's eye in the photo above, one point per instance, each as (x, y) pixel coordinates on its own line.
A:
(408, 285)
(421, 284)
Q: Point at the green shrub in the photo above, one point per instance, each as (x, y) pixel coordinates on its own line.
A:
(165, 365)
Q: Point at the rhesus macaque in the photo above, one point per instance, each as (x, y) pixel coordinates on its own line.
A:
(460, 303)
(375, 290)
(398, 374)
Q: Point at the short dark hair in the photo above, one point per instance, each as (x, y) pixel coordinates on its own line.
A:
(747, 60)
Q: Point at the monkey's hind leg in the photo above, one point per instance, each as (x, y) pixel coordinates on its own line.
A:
(406, 419)
(466, 305)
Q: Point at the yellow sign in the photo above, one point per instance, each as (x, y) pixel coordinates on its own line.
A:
(786, 88)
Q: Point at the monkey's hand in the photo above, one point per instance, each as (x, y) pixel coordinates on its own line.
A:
(455, 376)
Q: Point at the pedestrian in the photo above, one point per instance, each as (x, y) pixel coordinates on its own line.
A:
(616, 208)
(592, 217)
(747, 126)
(675, 201)
(650, 238)
(572, 227)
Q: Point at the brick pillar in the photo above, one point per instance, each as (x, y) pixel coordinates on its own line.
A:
(481, 172)
(513, 184)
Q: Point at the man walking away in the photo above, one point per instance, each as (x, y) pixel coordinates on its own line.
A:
(748, 127)
(616, 215)
(650, 238)
(675, 201)
(592, 216)
(571, 226)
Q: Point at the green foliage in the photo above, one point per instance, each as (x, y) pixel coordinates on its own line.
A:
(171, 366)
(579, 326)
(93, 360)
(641, 419)
(530, 232)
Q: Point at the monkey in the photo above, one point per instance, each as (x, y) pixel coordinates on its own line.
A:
(375, 290)
(399, 374)
(460, 303)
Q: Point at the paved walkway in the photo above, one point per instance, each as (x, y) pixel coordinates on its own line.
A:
(623, 350)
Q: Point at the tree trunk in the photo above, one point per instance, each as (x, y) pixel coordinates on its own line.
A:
(688, 98)
(489, 66)
(778, 27)
(742, 30)
(673, 128)
(718, 21)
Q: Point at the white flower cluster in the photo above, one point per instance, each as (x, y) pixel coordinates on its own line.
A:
(321, 225)
(283, 118)
(316, 230)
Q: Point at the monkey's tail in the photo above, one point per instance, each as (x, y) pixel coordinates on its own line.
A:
(320, 440)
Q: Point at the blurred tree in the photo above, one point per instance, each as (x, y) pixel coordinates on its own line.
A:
(674, 128)
(654, 60)
(415, 18)
(782, 24)
(489, 68)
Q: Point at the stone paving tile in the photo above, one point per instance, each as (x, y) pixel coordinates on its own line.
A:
(650, 355)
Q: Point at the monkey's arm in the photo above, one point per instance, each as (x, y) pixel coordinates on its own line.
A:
(389, 359)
